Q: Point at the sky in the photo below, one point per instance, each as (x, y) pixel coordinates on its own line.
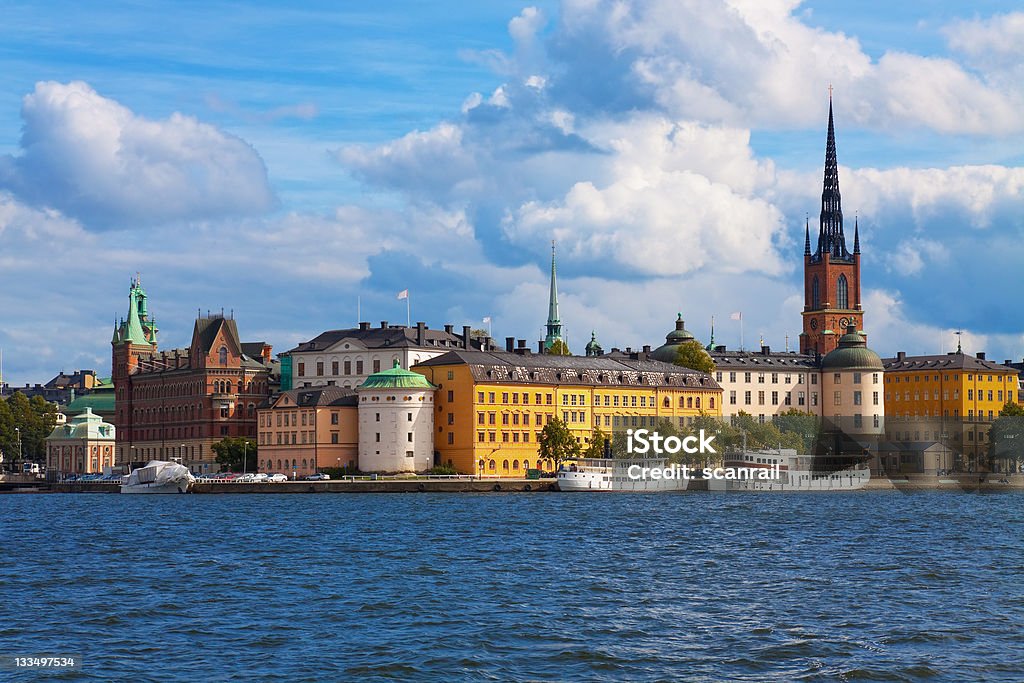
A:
(292, 164)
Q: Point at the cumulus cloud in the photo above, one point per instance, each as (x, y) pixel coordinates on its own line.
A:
(96, 160)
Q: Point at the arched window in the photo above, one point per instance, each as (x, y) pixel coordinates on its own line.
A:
(666, 402)
(504, 465)
(515, 464)
(815, 294)
(712, 401)
(842, 293)
(697, 403)
(223, 355)
(491, 466)
(526, 464)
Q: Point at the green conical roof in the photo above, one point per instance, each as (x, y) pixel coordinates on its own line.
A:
(396, 378)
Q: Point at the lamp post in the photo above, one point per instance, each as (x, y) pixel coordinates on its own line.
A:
(245, 449)
(17, 431)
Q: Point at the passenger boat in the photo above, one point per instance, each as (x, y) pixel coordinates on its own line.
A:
(158, 476)
(783, 470)
(644, 475)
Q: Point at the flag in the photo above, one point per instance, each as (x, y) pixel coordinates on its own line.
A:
(487, 320)
(738, 315)
(404, 294)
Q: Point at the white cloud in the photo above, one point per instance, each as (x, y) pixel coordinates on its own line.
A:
(94, 159)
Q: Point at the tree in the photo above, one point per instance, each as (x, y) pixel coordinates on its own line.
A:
(230, 451)
(596, 447)
(692, 355)
(1006, 437)
(804, 426)
(558, 348)
(557, 443)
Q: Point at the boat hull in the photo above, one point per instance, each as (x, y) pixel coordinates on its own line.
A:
(168, 487)
(613, 476)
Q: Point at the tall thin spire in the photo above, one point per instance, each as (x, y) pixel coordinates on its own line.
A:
(830, 232)
(856, 235)
(554, 324)
(807, 236)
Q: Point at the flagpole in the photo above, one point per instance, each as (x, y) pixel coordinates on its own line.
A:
(408, 315)
(741, 330)
(359, 310)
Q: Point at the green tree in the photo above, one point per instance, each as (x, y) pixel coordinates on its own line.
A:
(230, 451)
(595, 449)
(557, 443)
(692, 355)
(805, 427)
(1006, 437)
(558, 348)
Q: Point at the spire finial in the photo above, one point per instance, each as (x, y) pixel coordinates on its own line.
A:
(807, 235)
(958, 334)
(830, 234)
(856, 234)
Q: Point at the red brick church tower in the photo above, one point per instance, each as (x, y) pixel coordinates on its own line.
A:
(831, 273)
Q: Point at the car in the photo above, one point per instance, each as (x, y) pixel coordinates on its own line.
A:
(260, 476)
(319, 476)
(278, 477)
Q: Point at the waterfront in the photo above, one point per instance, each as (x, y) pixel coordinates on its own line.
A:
(869, 586)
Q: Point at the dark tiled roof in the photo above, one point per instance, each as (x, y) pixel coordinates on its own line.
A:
(206, 330)
(253, 349)
(756, 360)
(317, 396)
(949, 361)
(583, 370)
(382, 337)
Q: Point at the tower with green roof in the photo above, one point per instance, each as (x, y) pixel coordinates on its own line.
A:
(134, 337)
(554, 324)
(396, 421)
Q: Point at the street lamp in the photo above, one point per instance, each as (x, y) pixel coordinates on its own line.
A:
(18, 432)
(245, 448)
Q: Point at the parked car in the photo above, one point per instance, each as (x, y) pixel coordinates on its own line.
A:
(319, 476)
(260, 476)
(278, 477)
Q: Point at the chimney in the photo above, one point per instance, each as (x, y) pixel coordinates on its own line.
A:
(629, 351)
(765, 349)
(449, 328)
(520, 343)
(467, 337)
(421, 333)
(901, 355)
(267, 349)
(540, 346)
(364, 326)
(647, 348)
(383, 324)
(1007, 361)
(720, 348)
(615, 349)
(981, 355)
(510, 344)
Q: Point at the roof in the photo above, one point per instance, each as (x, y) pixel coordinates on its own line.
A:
(206, 329)
(949, 361)
(310, 397)
(253, 349)
(761, 360)
(680, 335)
(517, 368)
(396, 378)
(87, 425)
(852, 354)
(99, 402)
(394, 336)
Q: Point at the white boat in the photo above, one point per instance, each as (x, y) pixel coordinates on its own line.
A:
(651, 475)
(158, 476)
(782, 470)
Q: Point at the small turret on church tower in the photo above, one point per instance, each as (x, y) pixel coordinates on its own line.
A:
(831, 273)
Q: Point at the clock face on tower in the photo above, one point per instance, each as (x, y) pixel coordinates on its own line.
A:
(843, 322)
(814, 323)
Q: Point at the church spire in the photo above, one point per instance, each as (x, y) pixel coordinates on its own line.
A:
(554, 325)
(830, 232)
(856, 235)
(807, 236)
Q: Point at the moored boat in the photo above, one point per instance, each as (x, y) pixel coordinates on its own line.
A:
(782, 470)
(158, 476)
(643, 475)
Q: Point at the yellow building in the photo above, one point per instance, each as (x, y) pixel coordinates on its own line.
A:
(491, 407)
(950, 399)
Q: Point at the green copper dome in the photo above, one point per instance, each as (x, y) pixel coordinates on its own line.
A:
(852, 354)
(396, 378)
(666, 353)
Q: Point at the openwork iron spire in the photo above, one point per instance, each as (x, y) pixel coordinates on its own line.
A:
(554, 325)
(830, 232)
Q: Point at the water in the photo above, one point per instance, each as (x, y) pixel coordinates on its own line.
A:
(870, 586)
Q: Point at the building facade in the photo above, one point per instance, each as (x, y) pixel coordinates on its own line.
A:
(765, 384)
(345, 358)
(302, 431)
(951, 399)
(83, 445)
(174, 405)
(491, 407)
(396, 422)
(832, 292)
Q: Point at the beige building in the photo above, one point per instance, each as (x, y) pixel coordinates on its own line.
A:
(345, 358)
(305, 430)
(765, 383)
(396, 422)
(82, 446)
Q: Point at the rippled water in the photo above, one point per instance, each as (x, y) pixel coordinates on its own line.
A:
(871, 586)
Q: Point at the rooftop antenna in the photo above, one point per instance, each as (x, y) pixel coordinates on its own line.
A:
(958, 333)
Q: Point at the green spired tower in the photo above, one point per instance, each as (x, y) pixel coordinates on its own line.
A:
(554, 325)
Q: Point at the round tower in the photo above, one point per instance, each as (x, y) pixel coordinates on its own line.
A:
(396, 422)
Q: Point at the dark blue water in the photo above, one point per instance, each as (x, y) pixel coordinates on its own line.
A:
(872, 586)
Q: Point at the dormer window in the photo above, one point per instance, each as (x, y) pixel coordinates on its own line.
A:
(223, 355)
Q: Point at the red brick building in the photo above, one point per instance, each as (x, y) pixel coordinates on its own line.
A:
(176, 404)
(831, 273)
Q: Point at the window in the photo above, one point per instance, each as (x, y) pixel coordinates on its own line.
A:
(746, 398)
(800, 398)
(856, 378)
(732, 398)
(838, 398)
(302, 369)
(746, 377)
(376, 365)
(377, 435)
(451, 418)
(842, 293)
(451, 395)
(760, 378)
(223, 355)
(334, 437)
(348, 367)
(732, 376)
(451, 374)
(760, 398)
(775, 378)
(319, 368)
(334, 367)
(837, 378)
(857, 398)
(359, 367)
(451, 438)
(775, 398)
(874, 398)
(480, 418)
(857, 420)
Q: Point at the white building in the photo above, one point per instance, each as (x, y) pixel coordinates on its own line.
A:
(82, 446)
(345, 358)
(396, 422)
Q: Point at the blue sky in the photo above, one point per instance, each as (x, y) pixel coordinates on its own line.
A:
(283, 163)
